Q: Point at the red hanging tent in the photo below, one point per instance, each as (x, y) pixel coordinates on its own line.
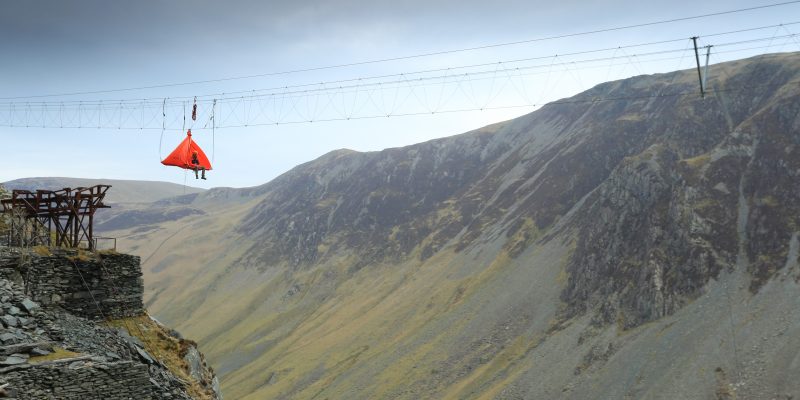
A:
(182, 155)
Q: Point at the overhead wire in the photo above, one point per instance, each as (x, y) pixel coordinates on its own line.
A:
(363, 78)
(217, 95)
(414, 56)
(255, 93)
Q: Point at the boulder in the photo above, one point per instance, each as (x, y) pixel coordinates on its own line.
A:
(29, 305)
(9, 337)
(9, 321)
(194, 363)
(13, 360)
(145, 356)
(39, 352)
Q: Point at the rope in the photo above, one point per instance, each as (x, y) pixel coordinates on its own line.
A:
(99, 309)
(211, 120)
(675, 75)
(163, 128)
(732, 326)
(117, 291)
(791, 33)
(25, 260)
(213, 130)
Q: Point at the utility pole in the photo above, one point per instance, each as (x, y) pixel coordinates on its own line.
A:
(705, 70)
(699, 74)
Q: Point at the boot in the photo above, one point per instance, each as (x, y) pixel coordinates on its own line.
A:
(204, 174)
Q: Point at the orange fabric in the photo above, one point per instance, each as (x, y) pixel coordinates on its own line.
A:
(182, 155)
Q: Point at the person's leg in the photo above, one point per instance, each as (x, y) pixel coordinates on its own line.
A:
(195, 173)
(203, 169)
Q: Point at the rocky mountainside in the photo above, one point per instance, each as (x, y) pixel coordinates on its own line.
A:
(60, 339)
(663, 170)
(634, 241)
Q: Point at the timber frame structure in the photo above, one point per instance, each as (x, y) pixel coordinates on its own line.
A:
(61, 218)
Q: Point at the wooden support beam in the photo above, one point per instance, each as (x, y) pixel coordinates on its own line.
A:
(67, 213)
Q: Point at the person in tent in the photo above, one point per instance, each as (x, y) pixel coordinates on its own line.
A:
(196, 165)
(188, 155)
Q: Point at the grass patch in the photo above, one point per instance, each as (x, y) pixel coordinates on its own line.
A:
(327, 202)
(501, 365)
(166, 348)
(525, 234)
(57, 354)
(770, 201)
(82, 256)
(42, 251)
(699, 161)
(631, 117)
(706, 203)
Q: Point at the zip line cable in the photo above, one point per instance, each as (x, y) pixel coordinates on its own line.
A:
(252, 92)
(360, 117)
(692, 92)
(58, 112)
(687, 93)
(426, 81)
(414, 56)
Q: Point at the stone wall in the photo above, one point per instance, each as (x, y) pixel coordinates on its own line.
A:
(93, 286)
(74, 379)
(56, 347)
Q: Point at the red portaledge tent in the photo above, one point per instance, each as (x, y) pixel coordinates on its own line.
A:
(182, 155)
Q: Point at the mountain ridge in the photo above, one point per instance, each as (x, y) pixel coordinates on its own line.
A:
(125, 191)
(540, 259)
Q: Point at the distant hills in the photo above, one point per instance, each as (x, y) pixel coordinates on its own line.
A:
(629, 242)
(125, 191)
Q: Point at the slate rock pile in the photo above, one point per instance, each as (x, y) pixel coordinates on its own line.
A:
(21, 337)
(48, 352)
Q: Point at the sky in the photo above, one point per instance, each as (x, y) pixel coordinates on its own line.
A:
(239, 51)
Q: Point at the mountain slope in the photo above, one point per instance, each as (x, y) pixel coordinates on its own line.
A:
(632, 241)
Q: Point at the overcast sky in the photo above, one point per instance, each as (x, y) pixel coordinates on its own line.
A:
(51, 47)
